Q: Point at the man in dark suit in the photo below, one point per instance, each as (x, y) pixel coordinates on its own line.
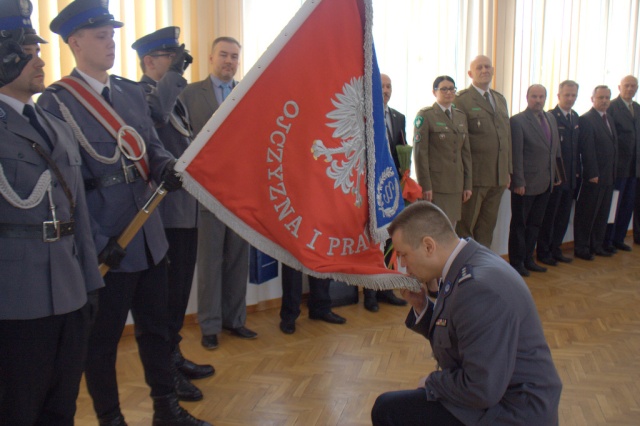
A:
(483, 328)
(48, 263)
(556, 217)
(223, 256)
(118, 184)
(535, 146)
(395, 123)
(599, 151)
(163, 60)
(626, 116)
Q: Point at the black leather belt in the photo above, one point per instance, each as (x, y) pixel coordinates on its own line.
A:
(128, 175)
(47, 231)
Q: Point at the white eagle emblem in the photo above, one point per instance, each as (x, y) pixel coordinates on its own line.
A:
(349, 124)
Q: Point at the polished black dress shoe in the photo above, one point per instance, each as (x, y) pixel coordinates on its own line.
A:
(210, 341)
(602, 252)
(521, 270)
(560, 258)
(621, 246)
(548, 260)
(116, 419)
(329, 317)
(184, 389)
(583, 254)
(534, 267)
(242, 332)
(168, 412)
(287, 327)
(190, 369)
(371, 304)
(389, 297)
(610, 249)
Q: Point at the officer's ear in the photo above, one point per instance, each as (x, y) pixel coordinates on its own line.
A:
(428, 245)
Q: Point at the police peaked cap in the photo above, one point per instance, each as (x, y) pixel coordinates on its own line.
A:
(15, 22)
(163, 39)
(83, 14)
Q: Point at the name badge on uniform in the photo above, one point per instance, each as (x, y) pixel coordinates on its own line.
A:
(441, 322)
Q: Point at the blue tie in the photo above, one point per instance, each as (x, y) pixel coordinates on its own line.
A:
(226, 89)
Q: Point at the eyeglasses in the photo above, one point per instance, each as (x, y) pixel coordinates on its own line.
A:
(163, 55)
(447, 89)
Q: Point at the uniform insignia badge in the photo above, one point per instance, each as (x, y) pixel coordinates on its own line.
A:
(118, 88)
(442, 136)
(3, 115)
(25, 8)
(418, 122)
(447, 287)
(417, 138)
(466, 273)
(177, 33)
(440, 123)
(441, 322)
(476, 109)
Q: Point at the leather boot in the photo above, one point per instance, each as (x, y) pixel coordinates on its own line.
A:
(167, 412)
(189, 369)
(115, 419)
(185, 390)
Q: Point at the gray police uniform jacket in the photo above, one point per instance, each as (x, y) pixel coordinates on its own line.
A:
(441, 151)
(534, 157)
(40, 279)
(495, 366)
(178, 209)
(569, 132)
(112, 208)
(489, 136)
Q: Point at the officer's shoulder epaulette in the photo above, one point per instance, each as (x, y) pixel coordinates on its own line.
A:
(53, 88)
(425, 109)
(462, 92)
(465, 274)
(125, 80)
(457, 109)
(499, 95)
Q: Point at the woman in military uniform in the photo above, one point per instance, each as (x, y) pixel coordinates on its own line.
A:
(441, 151)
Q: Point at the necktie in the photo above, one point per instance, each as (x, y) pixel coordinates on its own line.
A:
(631, 110)
(106, 95)
(30, 113)
(446, 111)
(545, 127)
(488, 98)
(226, 89)
(387, 124)
(569, 118)
(606, 122)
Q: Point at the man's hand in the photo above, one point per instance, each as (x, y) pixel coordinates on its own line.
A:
(427, 195)
(13, 61)
(518, 190)
(594, 180)
(112, 254)
(416, 299)
(466, 195)
(181, 60)
(171, 178)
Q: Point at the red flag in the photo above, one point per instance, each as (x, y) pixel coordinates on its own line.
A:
(283, 160)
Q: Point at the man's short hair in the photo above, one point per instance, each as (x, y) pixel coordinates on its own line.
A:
(601, 86)
(570, 83)
(422, 219)
(225, 39)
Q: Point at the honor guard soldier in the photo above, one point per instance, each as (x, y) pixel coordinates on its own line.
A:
(121, 159)
(163, 61)
(48, 262)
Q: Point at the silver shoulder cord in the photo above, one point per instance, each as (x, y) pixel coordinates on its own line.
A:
(37, 194)
(84, 143)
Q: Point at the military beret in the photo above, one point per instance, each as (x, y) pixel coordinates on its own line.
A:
(15, 22)
(163, 39)
(83, 14)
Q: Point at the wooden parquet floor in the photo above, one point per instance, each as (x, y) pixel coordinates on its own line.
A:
(331, 374)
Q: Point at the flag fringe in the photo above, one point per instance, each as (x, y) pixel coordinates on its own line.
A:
(374, 282)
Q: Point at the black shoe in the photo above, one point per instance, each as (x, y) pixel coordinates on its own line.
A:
(534, 267)
(371, 304)
(389, 297)
(330, 317)
(548, 260)
(116, 419)
(210, 341)
(602, 252)
(242, 332)
(189, 369)
(287, 327)
(185, 390)
(167, 412)
(621, 246)
(560, 258)
(610, 249)
(521, 270)
(583, 254)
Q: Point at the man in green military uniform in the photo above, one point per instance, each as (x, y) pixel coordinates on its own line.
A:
(490, 140)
